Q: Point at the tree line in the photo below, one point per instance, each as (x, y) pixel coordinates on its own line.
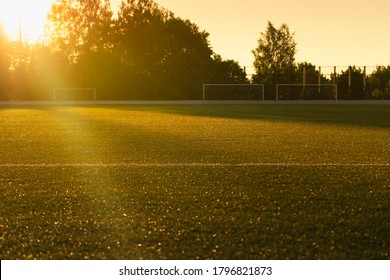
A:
(275, 64)
(146, 52)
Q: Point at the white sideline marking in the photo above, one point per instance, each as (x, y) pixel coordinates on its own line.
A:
(32, 165)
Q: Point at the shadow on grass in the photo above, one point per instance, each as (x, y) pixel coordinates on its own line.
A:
(374, 116)
(351, 115)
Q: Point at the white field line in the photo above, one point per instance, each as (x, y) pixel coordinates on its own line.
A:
(254, 164)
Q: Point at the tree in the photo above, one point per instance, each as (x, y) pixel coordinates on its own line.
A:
(350, 84)
(140, 33)
(79, 33)
(45, 71)
(228, 72)
(4, 65)
(188, 61)
(306, 73)
(76, 27)
(140, 45)
(379, 83)
(165, 56)
(274, 55)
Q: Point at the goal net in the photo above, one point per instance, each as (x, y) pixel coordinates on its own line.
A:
(233, 92)
(320, 92)
(74, 94)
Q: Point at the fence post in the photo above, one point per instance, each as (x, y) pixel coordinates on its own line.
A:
(319, 80)
(349, 81)
(334, 81)
(364, 79)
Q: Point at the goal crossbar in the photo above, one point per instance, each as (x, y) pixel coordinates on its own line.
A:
(233, 85)
(307, 85)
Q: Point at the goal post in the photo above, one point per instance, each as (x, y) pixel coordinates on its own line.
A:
(233, 92)
(74, 94)
(319, 92)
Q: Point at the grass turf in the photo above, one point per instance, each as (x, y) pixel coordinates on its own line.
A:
(221, 211)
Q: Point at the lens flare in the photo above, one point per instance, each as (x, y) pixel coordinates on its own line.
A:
(24, 19)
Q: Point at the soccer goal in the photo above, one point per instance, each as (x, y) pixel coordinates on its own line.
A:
(74, 94)
(309, 92)
(233, 92)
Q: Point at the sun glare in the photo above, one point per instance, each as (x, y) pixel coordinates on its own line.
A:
(25, 17)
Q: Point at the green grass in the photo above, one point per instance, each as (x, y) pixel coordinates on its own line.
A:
(337, 210)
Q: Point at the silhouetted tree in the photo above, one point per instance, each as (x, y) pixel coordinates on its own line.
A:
(149, 53)
(310, 76)
(141, 46)
(79, 33)
(4, 66)
(350, 84)
(45, 71)
(228, 72)
(164, 56)
(379, 83)
(19, 56)
(188, 60)
(274, 55)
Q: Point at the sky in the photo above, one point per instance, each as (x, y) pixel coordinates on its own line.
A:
(30, 14)
(331, 32)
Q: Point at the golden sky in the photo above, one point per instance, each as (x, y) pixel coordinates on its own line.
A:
(29, 14)
(331, 32)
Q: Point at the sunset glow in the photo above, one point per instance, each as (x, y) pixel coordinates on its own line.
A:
(24, 16)
(339, 33)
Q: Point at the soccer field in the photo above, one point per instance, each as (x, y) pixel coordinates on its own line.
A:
(195, 182)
